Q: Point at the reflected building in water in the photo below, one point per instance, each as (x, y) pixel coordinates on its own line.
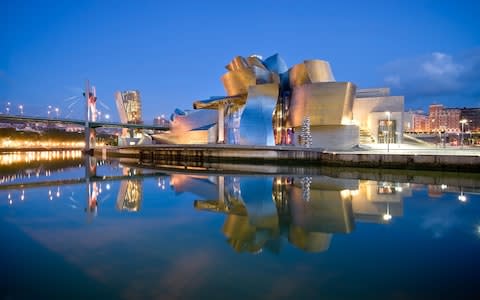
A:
(130, 193)
(307, 211)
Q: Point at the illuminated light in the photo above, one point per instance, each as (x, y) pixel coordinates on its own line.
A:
(49, 192)
(443, 186)
(345, 194)
(387, 217)
(22, 197)
(107, 186)
(398, 189)
(354, 192)
(462, 198)
(51, 198)
(10, 202)
(9, 196)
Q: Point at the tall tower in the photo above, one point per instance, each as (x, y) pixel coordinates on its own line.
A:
(129, 106)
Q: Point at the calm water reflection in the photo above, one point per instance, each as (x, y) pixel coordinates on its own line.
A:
(71, 229)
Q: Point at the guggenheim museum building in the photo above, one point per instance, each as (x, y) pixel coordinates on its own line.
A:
(268, 104)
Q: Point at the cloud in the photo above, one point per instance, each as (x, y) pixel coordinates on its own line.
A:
(436, 75)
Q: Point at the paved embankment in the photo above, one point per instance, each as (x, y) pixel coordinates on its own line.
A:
(197, 155)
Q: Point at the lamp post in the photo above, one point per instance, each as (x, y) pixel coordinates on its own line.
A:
(463, 122)
(388, 130)
(20, 107)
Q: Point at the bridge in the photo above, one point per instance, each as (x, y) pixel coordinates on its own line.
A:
(90, 124)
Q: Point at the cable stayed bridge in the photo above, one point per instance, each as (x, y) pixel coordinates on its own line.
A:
(89, 124)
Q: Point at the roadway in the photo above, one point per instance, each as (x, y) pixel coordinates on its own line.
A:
(30, 119)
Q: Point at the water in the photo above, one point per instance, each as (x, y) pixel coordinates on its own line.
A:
(149, 234)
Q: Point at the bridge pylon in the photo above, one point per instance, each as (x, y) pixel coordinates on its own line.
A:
(90, 115)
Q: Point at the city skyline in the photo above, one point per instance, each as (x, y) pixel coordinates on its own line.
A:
(174, 53)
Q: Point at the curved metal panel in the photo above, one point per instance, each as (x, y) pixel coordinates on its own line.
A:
(214, 102)
(237, 63)
(254, 61)
(262, 75)
(256, 119)
(298, 75)
(192, 120)
(319, 71)
(237, 82)
(326, 103)
(276, 64)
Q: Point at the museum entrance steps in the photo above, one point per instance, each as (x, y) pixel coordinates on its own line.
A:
(366, 137)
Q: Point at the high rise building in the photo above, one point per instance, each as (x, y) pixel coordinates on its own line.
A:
(129, 106)
(420, 123)
(443, 119)
(435, 111)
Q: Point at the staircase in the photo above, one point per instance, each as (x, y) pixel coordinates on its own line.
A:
(366, 137)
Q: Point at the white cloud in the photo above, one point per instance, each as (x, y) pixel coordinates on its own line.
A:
(436, 75)
(440, 64)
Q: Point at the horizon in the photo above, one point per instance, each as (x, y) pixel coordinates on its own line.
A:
(175, 53)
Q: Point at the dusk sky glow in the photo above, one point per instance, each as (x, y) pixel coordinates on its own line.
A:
(174, 52)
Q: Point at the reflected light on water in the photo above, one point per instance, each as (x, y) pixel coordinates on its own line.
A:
(26, 157)
(387, 217)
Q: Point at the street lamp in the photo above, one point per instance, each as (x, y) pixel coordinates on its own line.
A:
(388, 130)
(49, 110)
(57, 111)
(7, 108)
(463, 122)
(20, 107)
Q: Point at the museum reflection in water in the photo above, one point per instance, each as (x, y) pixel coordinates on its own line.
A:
(260, 211)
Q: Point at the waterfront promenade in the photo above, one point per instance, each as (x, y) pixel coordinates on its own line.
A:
(369, 156)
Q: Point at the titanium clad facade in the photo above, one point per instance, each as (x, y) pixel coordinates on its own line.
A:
(192, 120)
(310, 71)
(256, 119)
(268, 104)
(326, 103)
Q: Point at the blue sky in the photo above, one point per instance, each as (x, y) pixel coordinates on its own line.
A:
(174, 52)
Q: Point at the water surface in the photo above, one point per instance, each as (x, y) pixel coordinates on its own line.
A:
(108, 231)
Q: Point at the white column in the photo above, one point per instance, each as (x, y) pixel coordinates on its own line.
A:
(221, 123)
